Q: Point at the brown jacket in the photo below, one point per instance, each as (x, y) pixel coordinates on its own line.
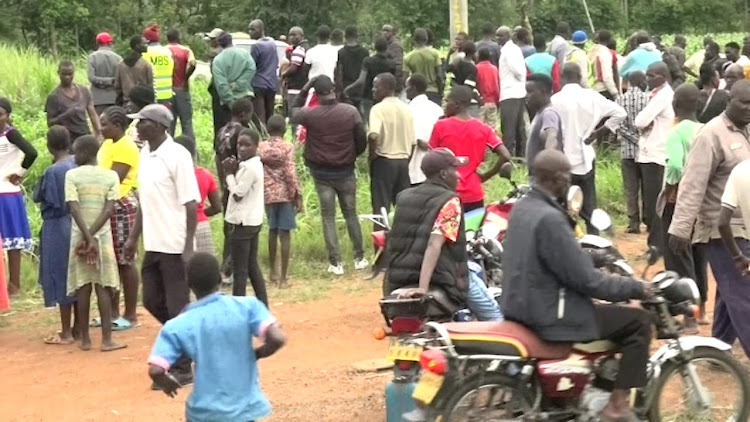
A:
(129, 75)
(719, 146)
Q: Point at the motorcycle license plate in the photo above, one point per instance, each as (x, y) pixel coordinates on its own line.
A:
(428, 387)
(398, 350)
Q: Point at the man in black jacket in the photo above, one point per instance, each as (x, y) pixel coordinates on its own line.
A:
(549, 283)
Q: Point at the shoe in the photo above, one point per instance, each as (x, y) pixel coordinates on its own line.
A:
(634, 230)
(337, 269)
(227, 281)
(361, 264)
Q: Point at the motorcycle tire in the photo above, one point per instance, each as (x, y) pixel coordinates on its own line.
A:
(732, 365)
(487, 379)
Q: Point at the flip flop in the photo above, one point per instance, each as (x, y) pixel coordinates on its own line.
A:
(121, 324)
(56, 340)
(96, 322)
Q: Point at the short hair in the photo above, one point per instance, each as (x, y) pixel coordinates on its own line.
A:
(381, 44)
(469, 48)
(66, 63)
(173, 35)
(605, 36)
(461, 94)
(203, 274)
(420, 35)
(388, 79)
(483, 54)
(430, 36)
(86, 144)
(488, 29)
(323, 32)
(642, 37)
(135, 41)
(524, 35)
(419, 82)
(276, 125)
(542, 80)
(250, 133)
(117, 116)
(142, 95)
(337, 35)
(463, 34)
(707, 72)
(187, 142)
(539, 42)
(242, 105)
(58, 138)
(680, 39)
(563, 28)
(733, 45)
(351, 32)
(225, 40)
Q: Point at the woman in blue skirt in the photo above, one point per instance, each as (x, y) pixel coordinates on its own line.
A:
(16, 156)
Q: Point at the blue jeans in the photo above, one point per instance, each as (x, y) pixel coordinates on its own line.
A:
(479, 301)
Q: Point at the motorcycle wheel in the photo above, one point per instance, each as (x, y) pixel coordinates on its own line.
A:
(487, 397)
(714, 369)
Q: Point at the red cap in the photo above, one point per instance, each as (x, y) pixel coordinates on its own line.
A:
(151, 33)
(103, 38)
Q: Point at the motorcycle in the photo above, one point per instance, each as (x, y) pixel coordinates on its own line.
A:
(504, 372)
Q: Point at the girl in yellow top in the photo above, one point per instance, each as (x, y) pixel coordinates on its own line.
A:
(120, 153)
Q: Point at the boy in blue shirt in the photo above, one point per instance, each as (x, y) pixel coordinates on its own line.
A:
(216, 332)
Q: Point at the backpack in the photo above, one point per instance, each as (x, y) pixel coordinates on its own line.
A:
(226, 141)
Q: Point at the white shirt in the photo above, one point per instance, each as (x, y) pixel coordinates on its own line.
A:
(322, 60)
(512, 71)
(743, 61)
(245, 206)
(581, 109)
(426, 114)
(166, 182)
(653, 140)
(736, 191)
(10, 163)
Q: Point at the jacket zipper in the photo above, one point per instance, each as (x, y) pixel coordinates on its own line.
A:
(561, 303)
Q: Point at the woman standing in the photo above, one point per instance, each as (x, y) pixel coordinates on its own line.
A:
(16, 156)
(68, 104)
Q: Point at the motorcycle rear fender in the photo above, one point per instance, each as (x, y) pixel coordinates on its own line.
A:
(688, 343)
(596, 242)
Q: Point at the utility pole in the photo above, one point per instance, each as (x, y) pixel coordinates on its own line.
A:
(459, 17)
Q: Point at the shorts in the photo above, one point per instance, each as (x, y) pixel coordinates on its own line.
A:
(281, 216)
(204, 240)
(122, 221)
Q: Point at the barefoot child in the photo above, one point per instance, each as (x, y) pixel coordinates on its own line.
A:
(54, 242)
(281, 193)
(91, 192)
(217, 332)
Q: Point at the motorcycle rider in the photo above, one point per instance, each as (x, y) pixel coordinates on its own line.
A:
(549, 283)
(427, 243)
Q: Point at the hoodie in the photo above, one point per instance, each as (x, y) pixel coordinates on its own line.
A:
(131, 71)
(640, 59)
(280, 183)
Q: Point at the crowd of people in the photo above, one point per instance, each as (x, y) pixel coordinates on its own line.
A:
(425, 121)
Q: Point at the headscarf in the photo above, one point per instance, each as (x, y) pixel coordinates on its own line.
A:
(151, 33)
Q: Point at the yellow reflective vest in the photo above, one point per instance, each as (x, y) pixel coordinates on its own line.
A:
(162, 61)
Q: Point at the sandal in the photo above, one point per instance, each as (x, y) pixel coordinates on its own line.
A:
(56, 340)
(121, 324)
(96, 322)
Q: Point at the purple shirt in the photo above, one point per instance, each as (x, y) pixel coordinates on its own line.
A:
(266, 64)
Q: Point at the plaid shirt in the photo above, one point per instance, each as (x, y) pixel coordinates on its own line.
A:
(633, 101)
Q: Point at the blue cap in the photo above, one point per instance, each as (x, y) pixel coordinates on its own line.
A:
(579, 37)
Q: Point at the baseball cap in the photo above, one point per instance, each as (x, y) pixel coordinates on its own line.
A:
(104, 38)
(214, 33)
(323, 85)
(579, 37)
(156, 113)
(440, 159)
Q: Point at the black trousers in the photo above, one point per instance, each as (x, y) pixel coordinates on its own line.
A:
(632, 182)
(630, 329)
(691, 263)
(263, 102)
(587, 183)
(652, 176)
(471, 206)
(245, 261)
(388, 177)
(222, 116)
(512, 125)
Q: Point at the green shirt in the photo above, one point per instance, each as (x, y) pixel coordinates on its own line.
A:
(233, 72)
(424, 61)
(677, 146)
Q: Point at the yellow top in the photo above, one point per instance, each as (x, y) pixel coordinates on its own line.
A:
(123, 151)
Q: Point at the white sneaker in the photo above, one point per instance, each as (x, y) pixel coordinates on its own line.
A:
(337, 269)
(361, 264)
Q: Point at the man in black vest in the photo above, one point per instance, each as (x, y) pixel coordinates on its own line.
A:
(428, 243)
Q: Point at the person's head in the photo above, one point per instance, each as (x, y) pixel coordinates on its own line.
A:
(502, 35)
(58, 140)
(188, 143)
(540, 44)
(324, 89)
(296, 35)
(457, 101)
(276, 125)
(657, 75)
(351, 34)
(738, 110)
(85, 149)
(707, 41)
(642, 37)
(103, 39)
(66, 71)
(488, 31)
(680, 41)
(441, 165)
(173, 35)
(388, 32)
(337, 37)
(685, 101)
(579, 38)
(5, 110)
(732, 50)
(523, 36)
(153, 122)
(483, 55)
(203, 274)
(247, 144)
(140, 96)
(459, 40)
(604, 37)
(256, 29)
(469, 49)
(384, 85)
(213, 37)
(381, 45)
(638, 79)
(712, 51)
(323, 34)
(420, 37)
(551, 171)
(151, 33)
(571, 73)
(430, 37)
(242, 110)
(538, 91)
(138, 44)
(709, 76)
(225, 40)
(563, 30)
(733, 74)
(416, 85)
(114, 121)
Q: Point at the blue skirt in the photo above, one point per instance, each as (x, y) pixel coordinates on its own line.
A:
(54, 248)
(14, 225)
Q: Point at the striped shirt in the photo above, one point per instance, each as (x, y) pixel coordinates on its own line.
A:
(633, 101)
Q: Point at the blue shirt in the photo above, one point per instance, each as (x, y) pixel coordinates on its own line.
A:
(266, 63)
(640, 59)
(217, 333)
(50, 191)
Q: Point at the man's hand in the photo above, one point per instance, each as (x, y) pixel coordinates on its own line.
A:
(168, 384)
(129, 248)
(483, 177)
(412, 293)
(299, 204)
(678, 244)
(187, 253)
(230, 165)
(15, 179)
(742, 263)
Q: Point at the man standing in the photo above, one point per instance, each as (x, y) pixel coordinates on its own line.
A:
(582, 111)
(488, 42)
(488, 84)
(349, 64)
(335, 137)
(162, 61)
(558, 47)
(395, 52)
(544, 63)
(169, 197)
(546, 127)
(721, 144)
(512, 93)
(295, 75)
(184, 66)
(323, 57)
(642, 57)
(693, 63)
(732, 74)
(678, 49)
(577, 54)
(266, 80)
(732, 51)
(426, 114)
(653, 122)
(220, 115)
(600, 57)
(371, 67)
(133, 70)
(425, 61)
(234, 70)
(102, 73)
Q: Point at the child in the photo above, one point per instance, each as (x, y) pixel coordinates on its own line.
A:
(244, 213)
(281, 193)
(204, 241)
(217, 333)
(54, 242)
(91, 192)
(488, 83)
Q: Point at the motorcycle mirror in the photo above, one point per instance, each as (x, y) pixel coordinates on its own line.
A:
(600, 219)
(506, 170)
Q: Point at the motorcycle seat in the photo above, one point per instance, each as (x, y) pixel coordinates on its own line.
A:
(599, 346)
(504, 338)
(436, 295)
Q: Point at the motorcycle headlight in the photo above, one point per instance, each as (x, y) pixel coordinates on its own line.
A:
(677, 290)
(490, 231)
(575, 199)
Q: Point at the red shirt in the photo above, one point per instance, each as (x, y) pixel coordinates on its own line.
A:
(466, 138)
(182, 56)
(488, 82)
(206, 185)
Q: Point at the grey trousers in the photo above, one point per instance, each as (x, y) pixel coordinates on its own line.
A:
(512, 125)
(632, 182)
(182, 108)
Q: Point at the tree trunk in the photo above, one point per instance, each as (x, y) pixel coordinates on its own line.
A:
(53, 39)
